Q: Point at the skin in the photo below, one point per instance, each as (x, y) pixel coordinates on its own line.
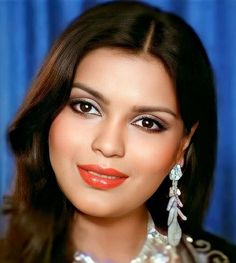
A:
(116, 133)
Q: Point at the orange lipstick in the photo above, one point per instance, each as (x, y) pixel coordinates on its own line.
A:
(101, 178)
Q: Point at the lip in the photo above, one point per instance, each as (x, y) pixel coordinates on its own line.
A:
(101, 178)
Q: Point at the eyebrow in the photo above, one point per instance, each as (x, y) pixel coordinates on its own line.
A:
(142, 109)
(91, 91)
(137, 109)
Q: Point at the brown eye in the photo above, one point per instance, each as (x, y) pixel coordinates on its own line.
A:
(147, 123)
(84, 107)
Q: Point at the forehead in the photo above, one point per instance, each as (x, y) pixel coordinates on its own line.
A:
(120, 73)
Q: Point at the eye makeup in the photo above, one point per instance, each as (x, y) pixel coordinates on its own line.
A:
(150, 124)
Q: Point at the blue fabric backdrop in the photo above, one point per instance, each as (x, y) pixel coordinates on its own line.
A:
(27, 29)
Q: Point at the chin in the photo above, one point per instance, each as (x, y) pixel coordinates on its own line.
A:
(101, 210)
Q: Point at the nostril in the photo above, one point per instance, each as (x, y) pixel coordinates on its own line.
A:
(109, 144)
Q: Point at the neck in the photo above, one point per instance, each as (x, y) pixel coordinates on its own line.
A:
(116, 239)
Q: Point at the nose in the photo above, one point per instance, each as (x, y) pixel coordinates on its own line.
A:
(109, 140)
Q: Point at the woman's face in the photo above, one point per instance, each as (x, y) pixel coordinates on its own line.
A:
(119, 135)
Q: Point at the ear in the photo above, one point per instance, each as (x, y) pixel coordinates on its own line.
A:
(185, 144)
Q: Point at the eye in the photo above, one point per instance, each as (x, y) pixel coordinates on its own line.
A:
(149, 124)
(84, 107)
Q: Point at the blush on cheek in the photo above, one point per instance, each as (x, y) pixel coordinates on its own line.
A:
(58, 140)
(155, 157)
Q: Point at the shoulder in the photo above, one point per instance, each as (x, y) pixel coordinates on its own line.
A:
(213, 248)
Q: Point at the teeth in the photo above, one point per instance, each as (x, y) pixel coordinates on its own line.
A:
(103, 175)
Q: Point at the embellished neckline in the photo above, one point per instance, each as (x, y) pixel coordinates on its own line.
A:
(155, 248)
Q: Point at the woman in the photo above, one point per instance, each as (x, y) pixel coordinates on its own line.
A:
(123, 105)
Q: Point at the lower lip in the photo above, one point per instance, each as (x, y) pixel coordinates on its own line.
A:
(98, 182)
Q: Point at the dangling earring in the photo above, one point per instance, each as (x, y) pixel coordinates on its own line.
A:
(174, 230)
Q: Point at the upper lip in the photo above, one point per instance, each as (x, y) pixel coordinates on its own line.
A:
(104, 171)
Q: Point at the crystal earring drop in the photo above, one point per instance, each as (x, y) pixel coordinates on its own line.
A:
(174, 204)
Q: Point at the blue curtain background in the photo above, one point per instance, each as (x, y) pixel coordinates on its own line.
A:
(27, 30)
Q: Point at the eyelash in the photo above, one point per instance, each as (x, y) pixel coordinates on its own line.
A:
(75, 105)
(160, 126)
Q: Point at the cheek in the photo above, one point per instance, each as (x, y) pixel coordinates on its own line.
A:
(152, 161)
(60, 137)
(64, 143)
(67, 137)
(156, 155)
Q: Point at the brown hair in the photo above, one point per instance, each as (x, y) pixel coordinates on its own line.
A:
(39, 212)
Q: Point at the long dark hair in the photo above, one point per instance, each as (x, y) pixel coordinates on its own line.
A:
(39, 212)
